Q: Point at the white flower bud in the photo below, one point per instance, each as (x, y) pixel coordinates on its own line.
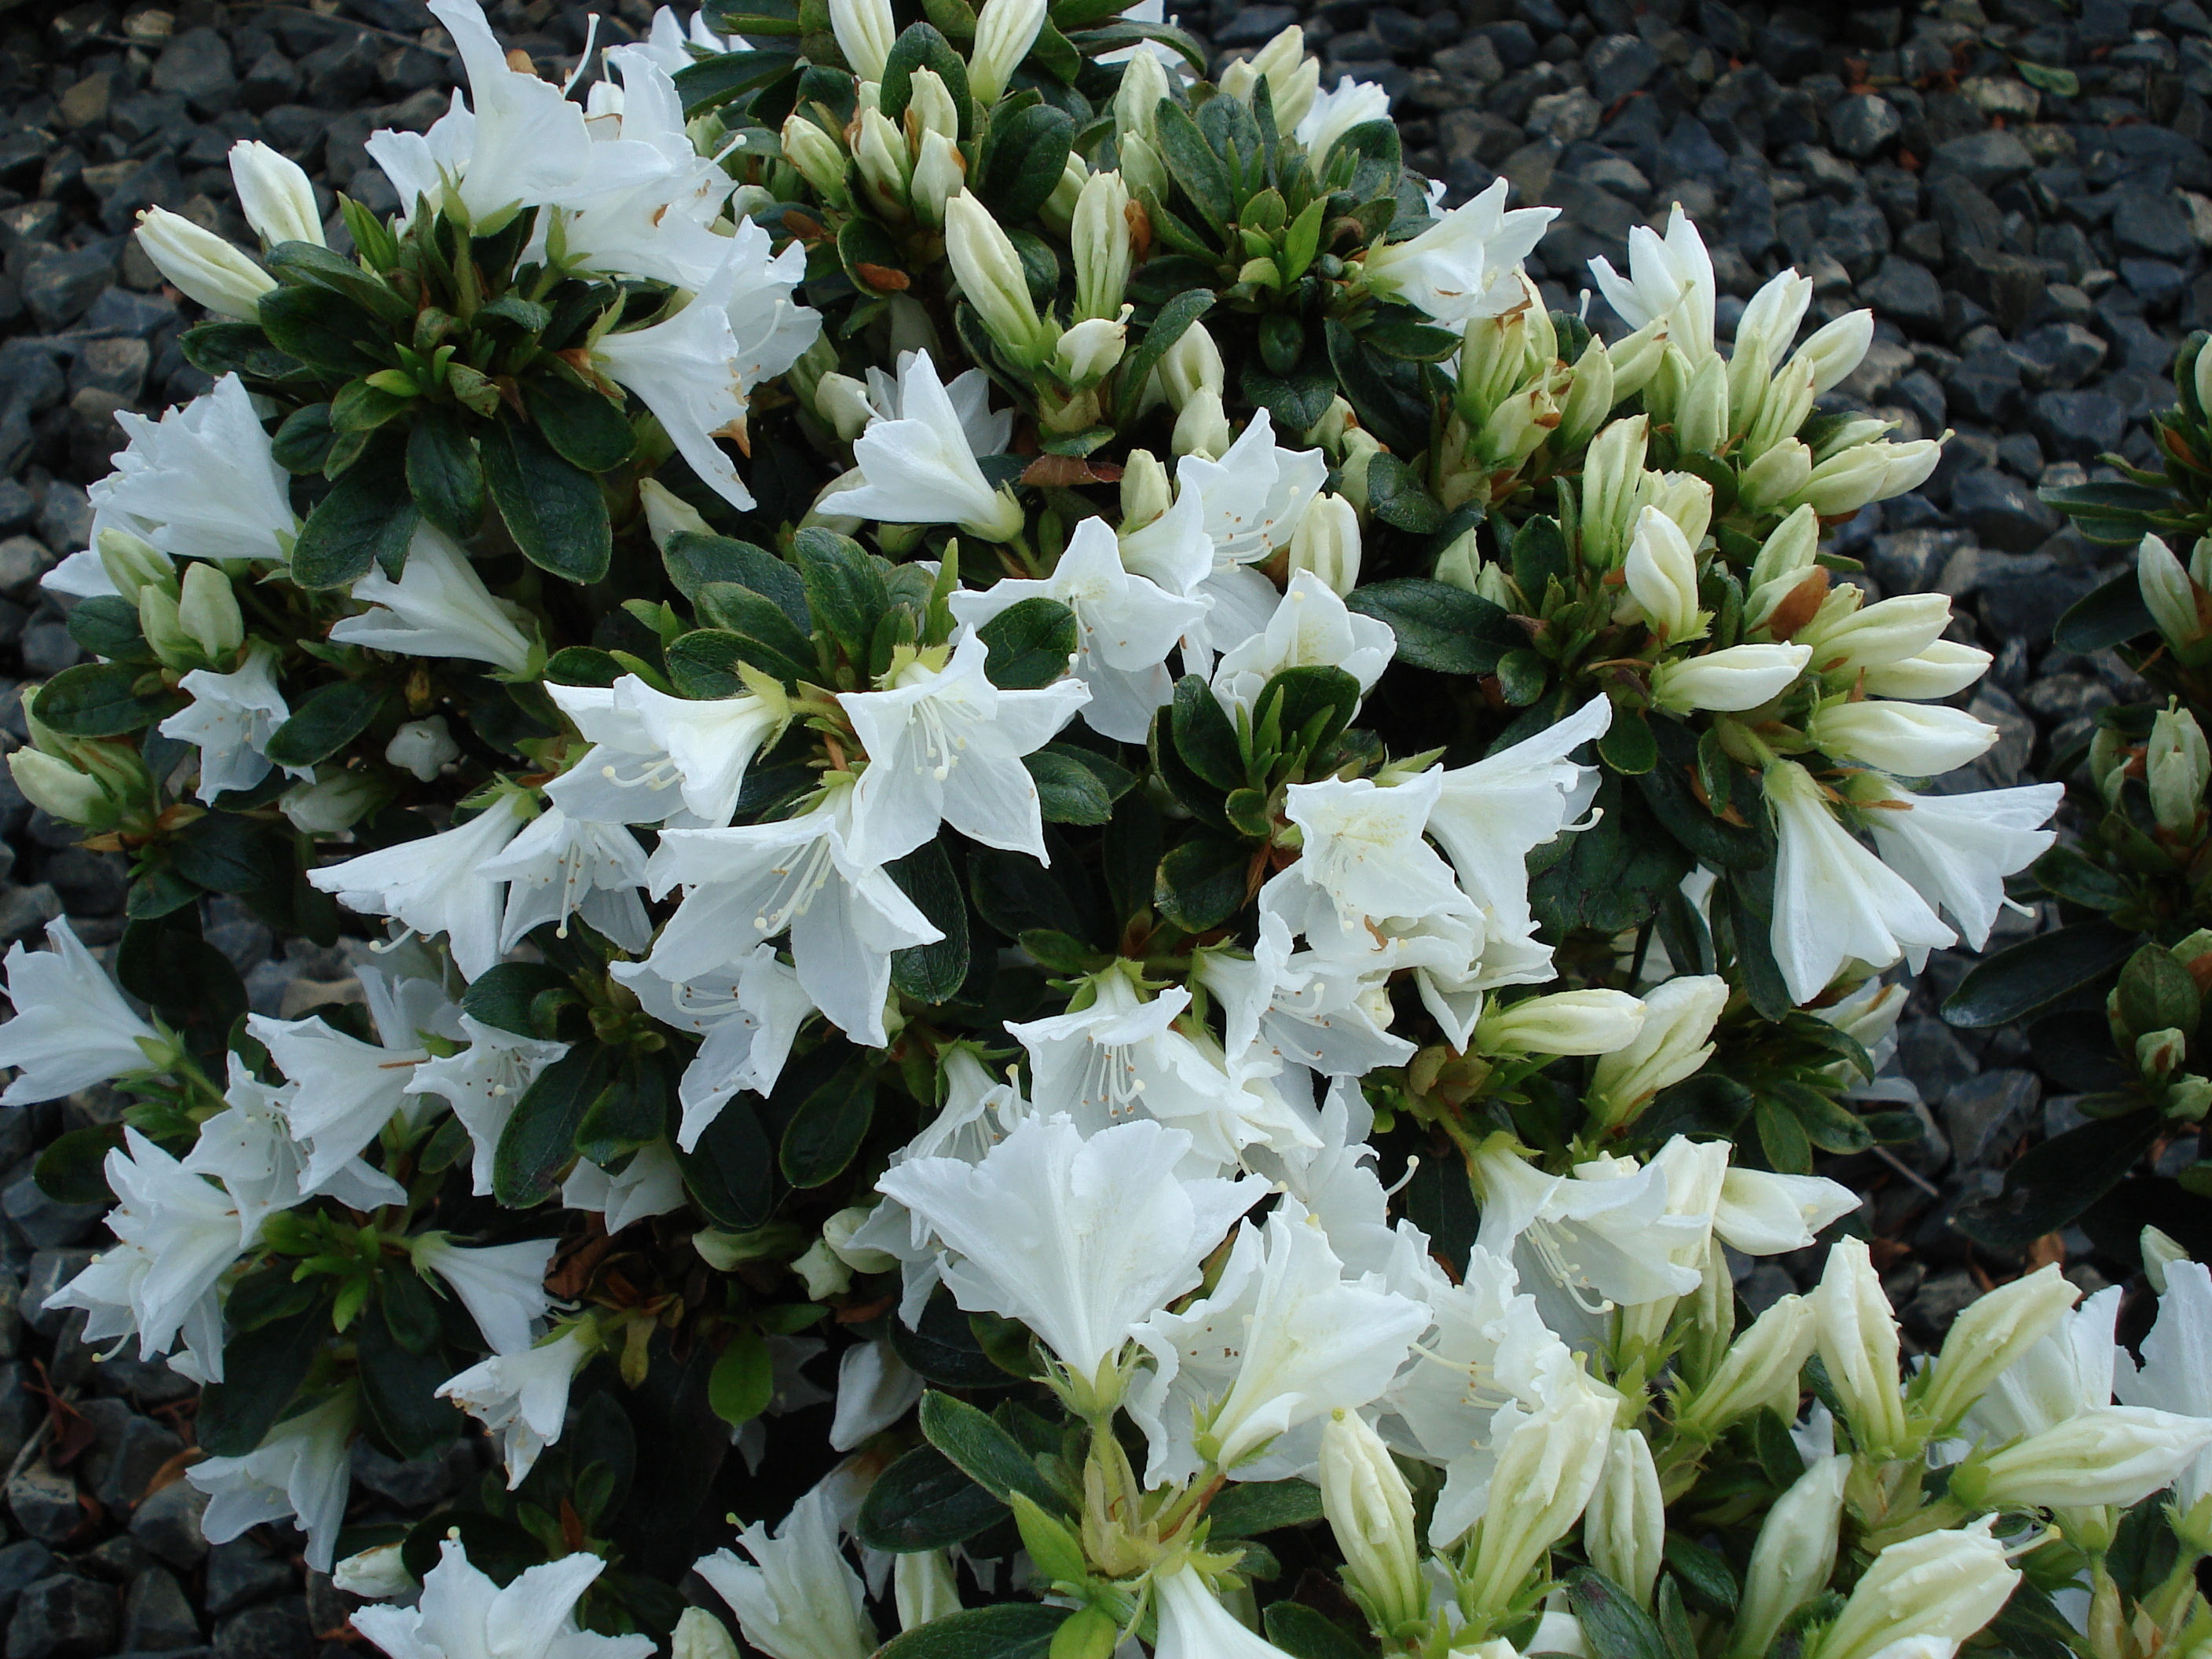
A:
(1145, 492)
(837, 1233)
(1942, 1584)
(930, 101)
(1545, 1473)
(2168, 593)
(1371, 1509)
(275, 194)
(1986, 1338)
(940, 173)
(1292, 78)
(1137, 100)
(1858, 1339)
(698, 1634)
(1361, 447)
(1835, 351)
(1517, 426)
(1005, 32)
(2160, 1251)
(1087, 353)
(1701, 417)
(1058, 210)
(1790, 549)
(822, 1271)
(1202, 429)
(1777, 476)
(1848, 481)
(165, 630)
(332, 803)
(1625, 1528)
(2160, 1054)
(2203, 377)
(1759, 1370)
(1874, 635)
(1612, 471)
(60, 788)
(1728, 681)
(1459, 565)
(201, 265)
(1678, 1018)
(844, 402)
(1662, 574)
(2117, 1455)
(864, 30)
(1191, 365)
(1100, 246)
(1326, 543)
(422, 747)
(992, 280)
(1942, 669)
(207, 609)
(1635, 358)
(2177, 766)
(1590, 399)
(132, 562)
(886, 167)
(1769, 321)
(1783, 407)
(819, 158)
(1592, 1022)
(923, 1588)
(1794, 1556)
(1748, 381)
(1909, 739)
(667, 514)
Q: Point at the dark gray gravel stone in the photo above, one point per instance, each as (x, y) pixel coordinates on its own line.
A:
(44, 1502)
(1987, 159)
(57, 286)
(156, 1617)
(2002, 512)
(1984, 1114)
(1907, 293)
(167, 1522)
(63, 1616)
(1619, 64)
(2077, 426)
(144, 1447)
(197, 65)
(241, 1573)
(275, 1629)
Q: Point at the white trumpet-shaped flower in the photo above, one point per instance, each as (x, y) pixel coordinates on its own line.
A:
(1465, 266)
(559, 867)
(798, 1598)
(304, 1468)
(501, 1285)
(464, 1613)
(229, 718)
(1956, 850)
(200, 483)
(437, 883)
(522, 1398)
(71, 1027)
(917, 463)
(1670, 282)
(746, 1016)
(483, 1083)
(439, 607)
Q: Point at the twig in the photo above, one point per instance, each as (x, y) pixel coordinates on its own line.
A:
(1908, 1172)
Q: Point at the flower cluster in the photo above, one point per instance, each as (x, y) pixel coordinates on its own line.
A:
(992, 718)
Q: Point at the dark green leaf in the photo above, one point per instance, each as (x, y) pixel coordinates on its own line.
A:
(261, 1369)
(331, 717)
(2113, 615)
(400, 1389)
(321, 330)
(411, 1312)
(1068, 791)
(554, 509)
(1305, 1632)
(220, 349)
(744, 1379)
(943, 1348)
(311, 265)
(266, 1294)
(1204, 178)
(703, 664)
(694, 560)
(1029, 643)
(539, 1140)
(1010, 1630)
(925, 1501)
(178, 974)
(932, 972)
(778, 646)
(360, 407)
(1303, 709)
(72, 1170)
(303, 442)
(1024, 156)
(99, 700)
(2024, 978)
(991, 1458)
(583, 664)
(365, 520)
(1175, 318)
(1704, 1573)
(732, 1172)
(845, 588)
(1246, 1508)
(1613, 1626)
(107, 625)
(826, 1132)
(1628, 745)
(1783, 1137)
(1203, 883)
(443, 473)
(1204, 738)
(2049, 1185)
(1439, 627)
(921, 47)
(632, 1110)
(587, 428)
(1394, 496)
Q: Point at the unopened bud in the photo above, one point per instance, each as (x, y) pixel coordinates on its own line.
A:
(1857, 1339)
(923, 1588)
(992, 279)
(1590, 1022)
(1611, 472)
(930, 102)
(2177, 766)
(1635, 358)
(1784, 405)
(819, 158)
(1137, 100)
(1728, 681)
(1942, 669)
(207, 611)
(332, 803)
(1100, 245)
(2168, 593)
(67, 794)
(1326, 543)
(668, 514)
(1058, 210)
(1906, 739)
(423, 747)
(1944, 1585)
(940, 175)
(1701, 417)
(886, 167)
(1679, 1016)
(1870, 472)
(1776, 476)
(1459, 565)
(2160, 1251)
(1371, 1509)
(1835, 351)
(1005, 32)
(1589, 400)
(164, 630)
(201, 265)
(844, 402)
(1191, 365)
(132, 563)
(1145, 492)
(376, 1574)
(1087, 353)
(699, 1635)
(2117, 1455)
(1988, 1337)
(1625, 1528)
(864, 30)
(1759, 1370)
(2160, 1054)
(1845, 639)
(275, 194)
(1545, 1473)
(1794, 1556)
(1769, 321)
(1790, 549)
(1661, 570)
(1202, 429)
(1292, 78)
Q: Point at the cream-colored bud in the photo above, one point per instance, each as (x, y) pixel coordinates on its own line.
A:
(1857, 1341)
(1326, 543)
(63, 791)
(820, 159)
(1361, 447)
(1942, 669)
(1459, 565)
(207, 609)
(1661, 571)
(1635, 358)
(1847, 638)
(201, 265)
(844, 402)
(1906, 739)
(1760, 1371)
(1834, 351)
(1145, 492)
(1790, 549)
(375, 1574)
(923, 1588)
(940, 173)
(1087, 353)
(1987, 1338)
(1100, 246)
(1679, 1016)
(699, 1635)
(1769, 321)
(2117, 1455)
(275, 194)
(1781, 473)
(1728, 681)
(930, 102)
(2177, 766)
(1137, 100)
(837, 1233)
(1545, 1473)
(668, 514)
(1794, 1556)
(1005, 32)
(1516, 427)
(2160, 1054)
(1870, 472)
(886, 166)
(132, 562)
(1748, 381)
(1624, 1528)
(165, 630)
(333, 803)
(1701, 417)
(1784, 405)
(1058, 210)
(1611, 472)
(1371, 1509)
(1202, 429)
(1590, 1022)
(2168, 593)
(864, 30)
(2160, 1251)
(822, 1271)
(1589, 400)
(422, 747)
(1191, 365)
(1141, 166)
(992, 280)
(1943, 1585)
(1292, 78)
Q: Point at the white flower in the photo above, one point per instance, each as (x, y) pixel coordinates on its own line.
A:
(1333, 114)
(1126, 625)
(1364, 849)
(1608, 1228)
(650, 1184)
(655, 757)
(1945, 1585)
(1304, 1007)
(746, 1017)
(1283, 1339)
(72, 1028)
(522, 1398)
(1909, 738)
(501, 1285)
(747, 885)
(1465, 266)
(179, 1233)
(464, 1614)
(696, 369)
(1311, 629)
(2117, 1455)
(1005, 32)
(1994, 1335)
(1662, 572)
(482, 1084)
(799, 1598)
(275, 194)
(437, 883)
(917, 459)
(1670, 281)
(1760, 1212)
(1674, 1042)
(1193, 1625)
(375, 1574)
(561, 866)
(1956, 850)
(1834, 901)
(2176, 1375)
(1795, 1552)
(303, 1469)
(200, 483)
(203, 266)
(670, 43)
(349, 1090)
(439, 607)
(875, 1389)
(230, 718)
(945, 745)
(422, 747)
(1546, 1469)
(1081, 1240)
(248, 1146)
(661, 226)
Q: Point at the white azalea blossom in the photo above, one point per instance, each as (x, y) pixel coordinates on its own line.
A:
(522, 1398)
(746, 1015)
(440, 884)
(501, 1285)
(650, 1184)
(304, 1469)
(798, 1598)
(1670, 281)
(229, 718)
(558, 867)
(482, 1082)
(463, 1613)
(1467, 263)
(439, 607)
(71, 1026)
(917, 459)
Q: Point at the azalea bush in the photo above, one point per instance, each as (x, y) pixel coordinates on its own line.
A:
(1093, 893)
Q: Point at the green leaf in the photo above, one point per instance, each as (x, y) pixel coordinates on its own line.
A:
(845, 588)
(366, 519)
(732, 1172)
(303, 441)
(932, 972)
(632, 1110)
(922, 47)
(1173, 319)
(1704, 1573)
(100, 700)
(585, 428)
(411, 1312)
(2113, 615)
(180, 975)
(583, 664)
(1010, 1630)
(1068, 791)
(1203, 883)
(2156, 994)
(554, 510)
(220, 349)
(539, 1140)
(703, 664)
(321, 330)
(1246, 1508)
(1783, 1136)
(1438, 626)
(694, 560)
(1204, 738)
(743, 1381)
(2024, 978)
(2050, 1186)
(72, 1170)
(1023, 155)
(1305, 1632)
(1029, 643)
(2064, 873)
(874, 262)
(992, 1458)
(1628, 745)
(266, 1294)
(1613, 1626)
(400, 1389)
(360, 407)
(107, 625)
(925, 1501)
(443, 473)
(746, 611)
(1204, 178)
(2043, 76)
(331, 717)
(1395, 495)
(262, 1368)
(311, 265)
(1303, 710)
(825, 1132)
(1296, 400)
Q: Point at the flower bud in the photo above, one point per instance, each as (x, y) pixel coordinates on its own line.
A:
(1459, 565)
(1292, 78)
(208, 612)
(2175, 766)
(1005, 32)
(1787, 400)
(1748, 374)
(1635, 358)
(60, 788)
(1100, 246)
(1202, 429)
(2160, 1251)
(1777, 476)
(822, 1271)
(1545, 1473)
(837, 1233)
(1944, 669)
(1870, 472)
(1759, 1370)
(1611, 472)
(1592, 1022)
(923, 1588)
(930, 102)
(1371, 1509)
(668, 514)
(1856, 1335)
(1662, 574)
(1834, 351)
(1728, 681)
(332, 803)
(819, 158)
(2168, 593)
(699, 1635)
(1624, 1528)
(1145, 492)
(376, 1574)
(991, 278)
(1908, 739)
(132, 562)
(2188, 1098)
(201, 265)
(275, 194)
(1701, 417)
(1326, 543)
(422, 747)
(1788, 550)
(1794, 1556)
(880, 152)
(1517, 426)
(1988, 1337)
(1087, 353)
(864, 30)
(842, 402)
(1058, 210)
(940, 173)
(2117, 1455)
(1191, 365)
(1874, 635)
(164, 630)
(1942, 1584)
(1678, 1018)
(1137, 100)
(2160, 1054)
(1769, 321)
